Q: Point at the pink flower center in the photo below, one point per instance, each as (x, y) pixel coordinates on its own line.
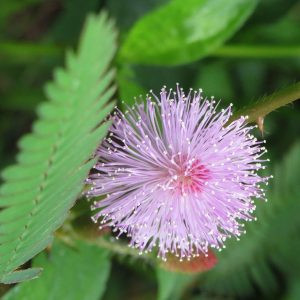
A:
(190, 177)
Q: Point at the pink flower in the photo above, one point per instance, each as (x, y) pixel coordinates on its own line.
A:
(175, 175)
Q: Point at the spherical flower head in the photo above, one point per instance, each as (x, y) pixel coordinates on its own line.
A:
(175, 175)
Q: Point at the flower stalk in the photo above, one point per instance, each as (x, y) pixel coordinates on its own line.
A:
(267, 104)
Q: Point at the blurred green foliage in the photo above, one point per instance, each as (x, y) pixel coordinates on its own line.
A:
(200, 27)
(243, 52)
(78, 279)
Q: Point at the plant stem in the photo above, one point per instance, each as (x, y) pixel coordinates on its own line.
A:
(26, 52)
(67, 234)
(266, 104)
(257, 51)
(115, 247)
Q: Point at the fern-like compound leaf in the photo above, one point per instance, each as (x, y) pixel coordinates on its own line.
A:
(54, 159)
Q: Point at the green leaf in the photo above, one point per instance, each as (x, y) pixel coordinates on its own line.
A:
(183, 31)
(171, 285)
(54, 159)
(22, 275)
(79, 273)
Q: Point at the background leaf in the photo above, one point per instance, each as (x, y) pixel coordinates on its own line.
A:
(183, 31)
(22, 275)
(53, 162)
(172, 284)
(70, 273)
